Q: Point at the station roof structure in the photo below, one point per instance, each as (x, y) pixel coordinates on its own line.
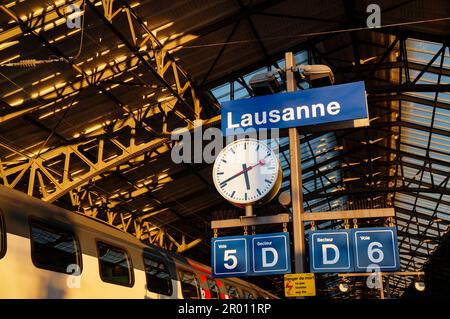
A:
(87, 112)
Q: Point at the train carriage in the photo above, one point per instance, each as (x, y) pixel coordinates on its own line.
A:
(49, 252)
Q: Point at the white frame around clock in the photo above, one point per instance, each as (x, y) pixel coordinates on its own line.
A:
(275, 187)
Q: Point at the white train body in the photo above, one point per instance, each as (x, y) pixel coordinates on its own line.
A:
(38, 240)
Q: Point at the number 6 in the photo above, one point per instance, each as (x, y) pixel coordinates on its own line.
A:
(371, 251)
(228, 256)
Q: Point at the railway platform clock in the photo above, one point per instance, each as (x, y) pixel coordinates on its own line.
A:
(247, 172)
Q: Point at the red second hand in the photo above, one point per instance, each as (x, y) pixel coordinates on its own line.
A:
(261, 162)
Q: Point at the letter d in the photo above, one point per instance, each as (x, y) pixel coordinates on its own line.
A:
(264, 257)
(326, 261)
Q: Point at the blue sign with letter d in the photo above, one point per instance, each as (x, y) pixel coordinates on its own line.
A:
(330, 251)
(271, 254)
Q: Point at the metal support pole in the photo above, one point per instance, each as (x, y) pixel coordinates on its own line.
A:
(296, 177)
(380, 282)
(248, 210)
(388, 289)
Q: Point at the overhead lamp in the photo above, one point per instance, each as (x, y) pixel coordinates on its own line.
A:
(265, 83)
(316, 75)
(419, 284)
(343, 287)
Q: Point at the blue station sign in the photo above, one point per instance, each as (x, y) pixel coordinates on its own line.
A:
(230, 256)
(354, 250)
(376, 247)
(330, 251)
(270, 254)
(256, 255)
(292, 109)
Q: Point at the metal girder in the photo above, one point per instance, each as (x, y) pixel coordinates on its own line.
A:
(376, 190)
(408, 87)
(228, 20)
(52, 183)
(350, 214)
(253, 220)
(40, 21)
(97, 75)
(393, 65)
(145, 49)
(59, 183)
(143, 230)
(404, 33)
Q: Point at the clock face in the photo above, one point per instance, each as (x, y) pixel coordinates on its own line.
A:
(246, 172)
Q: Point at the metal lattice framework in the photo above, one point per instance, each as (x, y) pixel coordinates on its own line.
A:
(92, 132)
(38, 173)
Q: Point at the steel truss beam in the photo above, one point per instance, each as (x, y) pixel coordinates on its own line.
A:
(164, 66)
(50, 183)
(393, 65)
(42, 178)
(144, 46)
(144, 230)
(41, 175)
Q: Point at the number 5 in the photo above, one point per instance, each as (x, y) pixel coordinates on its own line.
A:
(228, 256)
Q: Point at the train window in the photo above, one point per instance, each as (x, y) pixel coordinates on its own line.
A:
(248, 295)
(158, 277)
(233, 292)
(213, 289)
(115, 265)
(2, 236)
(189, 285)
(54, 249)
